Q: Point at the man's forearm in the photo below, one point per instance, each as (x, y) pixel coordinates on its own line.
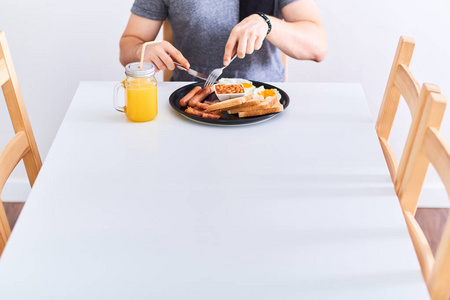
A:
(130, 48)
(306, 40)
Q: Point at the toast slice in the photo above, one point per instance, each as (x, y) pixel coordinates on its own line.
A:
(277, 107)
(229, 103)
(267, 103)
(252, 102)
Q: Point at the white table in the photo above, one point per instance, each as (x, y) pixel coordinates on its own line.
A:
(298, 207)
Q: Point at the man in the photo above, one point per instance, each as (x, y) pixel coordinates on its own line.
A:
(208, 33)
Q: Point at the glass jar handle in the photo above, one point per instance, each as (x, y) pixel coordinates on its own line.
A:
(116, 92)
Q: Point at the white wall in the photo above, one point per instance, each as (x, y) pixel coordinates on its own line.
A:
(56, 44)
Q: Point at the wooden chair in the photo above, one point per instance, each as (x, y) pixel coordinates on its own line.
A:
(22, 145)
(401, 82)
(168, 36)
(428, 146)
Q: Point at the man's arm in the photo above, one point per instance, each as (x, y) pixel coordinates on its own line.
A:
(161, 54)
(301, 35)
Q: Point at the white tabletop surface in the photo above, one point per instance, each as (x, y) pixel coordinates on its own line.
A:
(298, 207)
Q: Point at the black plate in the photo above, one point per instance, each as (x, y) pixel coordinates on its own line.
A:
(226, 119)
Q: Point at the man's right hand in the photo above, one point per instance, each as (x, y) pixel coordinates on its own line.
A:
(162, 54)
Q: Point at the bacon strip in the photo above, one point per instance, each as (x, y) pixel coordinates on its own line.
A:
(205, 104)
(184, 101)
(194, 112)
(209, 115)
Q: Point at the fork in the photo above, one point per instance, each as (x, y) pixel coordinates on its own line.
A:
(216, 73)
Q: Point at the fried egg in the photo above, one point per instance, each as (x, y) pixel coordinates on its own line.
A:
(267, 92)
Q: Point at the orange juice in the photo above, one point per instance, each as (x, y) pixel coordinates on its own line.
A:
(141, 103)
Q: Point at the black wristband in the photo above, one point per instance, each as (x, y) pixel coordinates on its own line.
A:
(267, 21)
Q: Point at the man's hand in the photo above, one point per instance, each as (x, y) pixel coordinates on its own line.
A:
(300, 34)
(245, 38)
(162, 54)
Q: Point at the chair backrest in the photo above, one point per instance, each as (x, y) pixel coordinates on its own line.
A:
(22, 145)
(401, 82)
(428, 146)
(168, 36)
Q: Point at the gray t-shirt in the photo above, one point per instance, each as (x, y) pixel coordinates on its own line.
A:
(201, 29)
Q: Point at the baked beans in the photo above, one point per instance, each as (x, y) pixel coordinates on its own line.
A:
(229, 89)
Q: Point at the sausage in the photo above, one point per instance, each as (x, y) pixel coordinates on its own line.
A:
(200, 96)
(184, 101)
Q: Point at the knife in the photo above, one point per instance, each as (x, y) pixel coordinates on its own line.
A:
(190, 71)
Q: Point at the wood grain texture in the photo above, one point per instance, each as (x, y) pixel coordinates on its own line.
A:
(392, 95)
(401, 82)
(11, 155)
(23, 145)
(389, 155)
(167, 36)
(432, 221)
(416, 167)
(408, 86)
(438, 151)
(18, 113)
(5, 229)
(428, 146)
(424, 254)
(419, 114)
(4, 76)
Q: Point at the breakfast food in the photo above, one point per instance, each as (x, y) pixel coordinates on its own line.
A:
(276, 107)
(193, 101)
(203, 113)
(256, 101)
(269, 105)
(204, 105)
(184, 101)
(263, 103)
(229, 88)
(192, 111)
(229, 103)
(247, 84)
(201, 95)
